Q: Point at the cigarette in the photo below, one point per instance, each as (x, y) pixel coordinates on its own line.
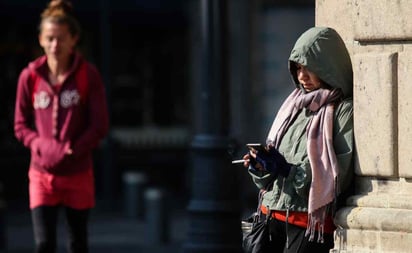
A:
(238, 161)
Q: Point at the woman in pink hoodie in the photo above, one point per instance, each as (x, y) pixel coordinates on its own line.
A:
(61, 116)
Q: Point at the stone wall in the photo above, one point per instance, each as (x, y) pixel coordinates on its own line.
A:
(378, 34)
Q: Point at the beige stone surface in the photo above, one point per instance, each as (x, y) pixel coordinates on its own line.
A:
(405, 113)
(381, 20)
(375, 113)
(336, 14)
(378, 219)
(360, 47)
(381, 201)
(391, 186)
(367, 241)
(378, 34)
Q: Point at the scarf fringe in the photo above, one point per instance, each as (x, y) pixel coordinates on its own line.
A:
(316, 222)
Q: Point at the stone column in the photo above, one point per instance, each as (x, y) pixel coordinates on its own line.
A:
(378, 218)
(213, 210)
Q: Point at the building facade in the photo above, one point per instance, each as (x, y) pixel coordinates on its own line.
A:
(378, 218)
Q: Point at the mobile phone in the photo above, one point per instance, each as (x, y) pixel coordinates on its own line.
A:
(257, 147)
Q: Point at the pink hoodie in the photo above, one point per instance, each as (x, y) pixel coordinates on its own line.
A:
(50, 122)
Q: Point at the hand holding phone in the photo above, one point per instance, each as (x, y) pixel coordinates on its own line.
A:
(257, 147)
(269, 159)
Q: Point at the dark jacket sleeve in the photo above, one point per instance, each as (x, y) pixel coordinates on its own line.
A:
(23, 114)
(98, 118)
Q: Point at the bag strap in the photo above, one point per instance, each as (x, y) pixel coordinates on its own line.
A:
(260, 200)
(258, 213)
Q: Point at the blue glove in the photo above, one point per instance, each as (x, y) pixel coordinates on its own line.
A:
(274, 162)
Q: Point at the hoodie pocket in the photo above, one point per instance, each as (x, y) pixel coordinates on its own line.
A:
(48, 152)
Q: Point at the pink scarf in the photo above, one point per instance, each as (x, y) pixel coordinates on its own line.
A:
(320, 149)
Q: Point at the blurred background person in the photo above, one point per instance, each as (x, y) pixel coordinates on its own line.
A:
(61, 116)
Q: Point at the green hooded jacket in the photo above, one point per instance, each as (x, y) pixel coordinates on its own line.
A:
(322, 51)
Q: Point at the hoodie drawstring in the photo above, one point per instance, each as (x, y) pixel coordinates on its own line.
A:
(287, 232)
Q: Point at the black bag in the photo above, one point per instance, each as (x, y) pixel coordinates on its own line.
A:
(256, 232)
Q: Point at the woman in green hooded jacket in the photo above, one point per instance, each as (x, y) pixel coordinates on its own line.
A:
(309, 160)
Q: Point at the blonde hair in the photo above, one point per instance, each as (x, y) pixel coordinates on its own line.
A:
(61, 12)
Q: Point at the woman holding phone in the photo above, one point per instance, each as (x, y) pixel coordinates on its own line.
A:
(309, 163)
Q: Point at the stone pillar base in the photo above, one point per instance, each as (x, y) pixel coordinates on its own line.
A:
(368, 241)
(379, 221)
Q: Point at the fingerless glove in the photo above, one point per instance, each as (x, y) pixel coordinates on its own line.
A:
(273, 162)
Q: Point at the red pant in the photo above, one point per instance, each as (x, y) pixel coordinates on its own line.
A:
(75, 191)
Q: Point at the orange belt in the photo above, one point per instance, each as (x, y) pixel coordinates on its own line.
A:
(299, 219)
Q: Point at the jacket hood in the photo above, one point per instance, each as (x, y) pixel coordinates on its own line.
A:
(322, 51)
